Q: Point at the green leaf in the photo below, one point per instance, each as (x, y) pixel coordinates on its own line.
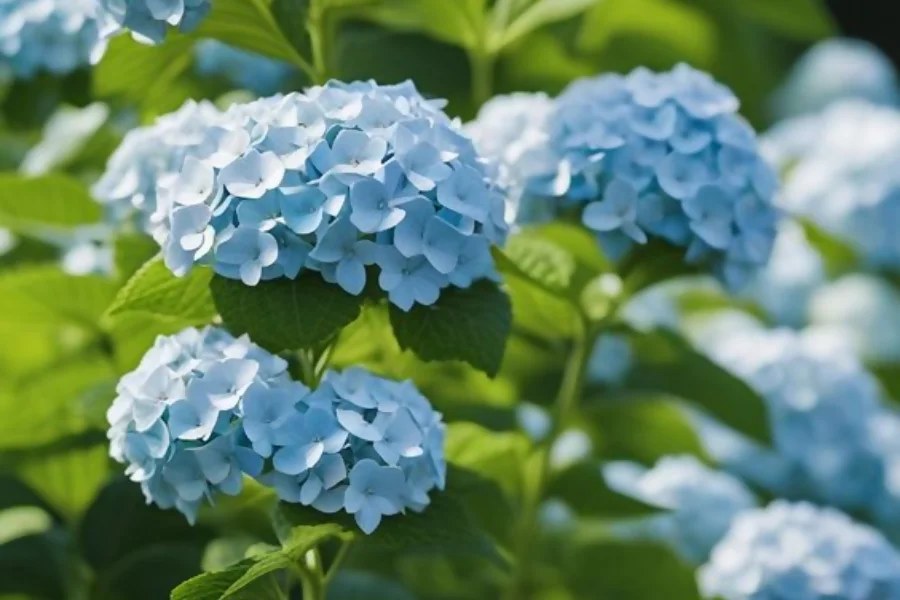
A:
(360, 585)
(150, 573)
(838, 256)
(619, 569)
(291, 16)
(642, 429)
(132, 250)
(798, 19)
(144, 74)
(285, 314)
(583, 487)
(536, 14)
(47, 202)
(153, 290)
(58, 402)
(665, 363)
(251, 25)
(461, 22)
(211, 586)
(43, 295)
(470, 325)
(119, 522)
(653, 263)
(35, 565)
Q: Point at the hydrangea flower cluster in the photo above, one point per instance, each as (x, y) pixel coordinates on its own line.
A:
(843, 173)
(149, 19)
(821, 404)
(337, 179)
(656, 155)
(701, 503)
(48, 35)
(837, 69)
(148, 155)
(247, 70)
(203, 409)
(801, 551)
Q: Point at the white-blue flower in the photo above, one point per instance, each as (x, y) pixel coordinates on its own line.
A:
(374, 491)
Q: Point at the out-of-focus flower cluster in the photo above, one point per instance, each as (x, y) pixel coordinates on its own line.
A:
(645, 156)
(48, 35)
(336, 179)
(836, 69)
(247, 70)
(148, 20)
(203, 409)
(842, 171)
(700, 503)
(800, 551)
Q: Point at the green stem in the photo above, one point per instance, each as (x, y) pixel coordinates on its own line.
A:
(566, 401)
(319, 41)
(481, 64)
(338, 560)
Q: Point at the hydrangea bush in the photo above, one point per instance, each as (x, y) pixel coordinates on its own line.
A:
(203, 409)
(800, 551)
(149, 20)
(652, 155)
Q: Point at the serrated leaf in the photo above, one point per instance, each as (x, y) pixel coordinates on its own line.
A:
(250, 24)
(132, 250)
(285, 314)
(153, 290)
(665, 363)
(51, 202)
(469, 325)
(211, 586)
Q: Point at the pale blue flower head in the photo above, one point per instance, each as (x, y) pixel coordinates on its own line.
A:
(699, 503)
(359, 443)
(821, 405)
(55, 36)
(329, 180)
(800, 551)
(837, 69)
(176, 421)
(842, 172)
(148, 20)
(652, 155)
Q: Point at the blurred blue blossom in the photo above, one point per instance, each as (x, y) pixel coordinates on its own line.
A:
(148, 20)
(823, 406)
(837, 69)
(249, 71)
(203, 409)
(345, 179)
(801, 551)
(645, 156)
(700, 503)
(842, 171)
(610, 360)
(57, 36)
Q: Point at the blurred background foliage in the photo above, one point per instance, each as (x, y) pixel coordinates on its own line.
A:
(64, 350)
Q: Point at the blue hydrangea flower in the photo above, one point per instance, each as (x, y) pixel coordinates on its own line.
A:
(57, 36)
(147, 157)
(837, 69)
(822, 405)
(148, 20)
(801, 551)
(700, 503)
(842, 173)
(351, 180)
(204, 409)
(610, 360)
(369, 446)
(176, 419)
(647, 156)
(261, 75)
